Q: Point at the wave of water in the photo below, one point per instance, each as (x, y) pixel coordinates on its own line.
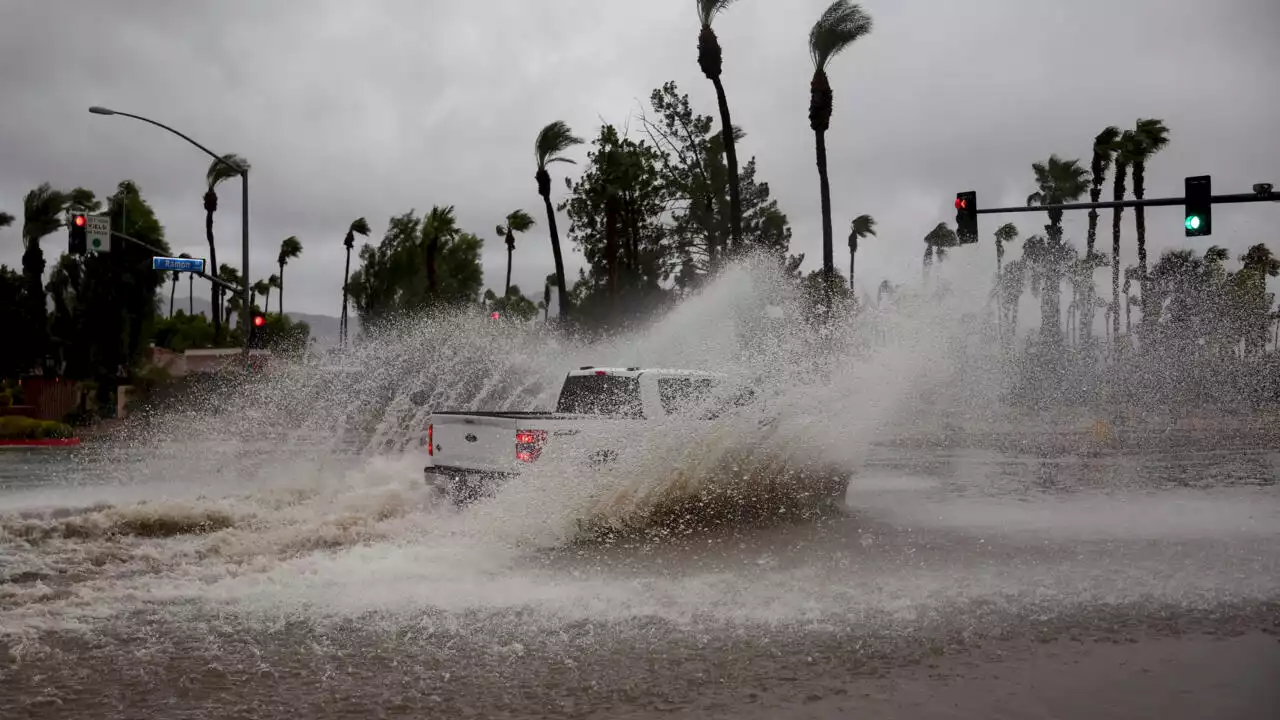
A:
(302, 491)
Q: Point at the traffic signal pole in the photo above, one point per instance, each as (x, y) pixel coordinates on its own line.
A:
(233, 289)
(1270, 196)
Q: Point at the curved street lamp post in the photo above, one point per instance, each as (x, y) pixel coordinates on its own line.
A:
(243, 172)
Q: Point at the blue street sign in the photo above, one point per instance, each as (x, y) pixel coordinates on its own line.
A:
(195, 265)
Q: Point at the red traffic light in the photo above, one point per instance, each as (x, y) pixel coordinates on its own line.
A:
(78, 220)
(259, 320)
(960, 203)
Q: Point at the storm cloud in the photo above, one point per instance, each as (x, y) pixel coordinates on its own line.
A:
(349, 109)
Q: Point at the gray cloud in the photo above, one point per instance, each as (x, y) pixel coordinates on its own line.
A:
(372, 108)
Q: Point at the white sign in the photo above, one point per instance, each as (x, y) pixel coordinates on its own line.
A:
(97, 230)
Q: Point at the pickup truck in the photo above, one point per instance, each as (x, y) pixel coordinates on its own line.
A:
(473, 453)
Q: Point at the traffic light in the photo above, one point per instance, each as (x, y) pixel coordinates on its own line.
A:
(967, 217)
(257, 327)
(1198, 197)
(78, 243)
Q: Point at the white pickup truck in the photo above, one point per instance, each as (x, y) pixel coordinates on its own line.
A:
(472, 453)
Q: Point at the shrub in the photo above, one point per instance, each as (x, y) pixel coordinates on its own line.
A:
(14, 427)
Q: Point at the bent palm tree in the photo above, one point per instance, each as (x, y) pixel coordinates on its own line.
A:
(1150, 136)
(1125, 147)
(359, 226)
(260, 287)
(553, 140)
(273, 281)
(217, 173)
(290, 248)
(840, 25)
(517, 221)
(711, 61)
(1104, 152)
(860, 227)
(1006, 233)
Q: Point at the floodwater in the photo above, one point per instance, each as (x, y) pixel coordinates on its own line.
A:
(952, 584)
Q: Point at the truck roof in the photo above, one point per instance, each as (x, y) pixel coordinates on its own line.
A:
(637, 371)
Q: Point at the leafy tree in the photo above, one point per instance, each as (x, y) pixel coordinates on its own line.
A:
(711, 62)
(13, 355)
(359, 226)
(390, 283)
(290, 248)
(840, 25)
(514, 305)
(549, 147)
(860, 227)
(439, 226)
(517, 221)
(1252, 303)
(218, 172)
(183, 332)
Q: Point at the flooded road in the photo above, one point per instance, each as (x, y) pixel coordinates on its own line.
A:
(952, 584)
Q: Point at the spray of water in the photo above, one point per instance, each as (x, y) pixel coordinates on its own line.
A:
(302, 489)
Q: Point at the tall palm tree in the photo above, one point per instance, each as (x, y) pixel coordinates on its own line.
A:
(231, 276)
(840, 25)
(711, 61)
(936, 242)
(1150, 136)
(290, 248)
(439, 226)
(1104, 152)
(41, 215)
(860, 227)
(217, 173)
(517, 221)
(1006, 233)
(359, 226)
(273, 281)
(1058, 181)
(259, 287)
(1048, 260)
(552, 141)
(1124, 153)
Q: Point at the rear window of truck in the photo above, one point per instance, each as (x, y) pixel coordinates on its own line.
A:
(601, 395)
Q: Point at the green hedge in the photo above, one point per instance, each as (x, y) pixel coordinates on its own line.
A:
(14, 427)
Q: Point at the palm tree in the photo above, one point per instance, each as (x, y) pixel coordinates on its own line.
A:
(41, 215)
(260, 287)
(546, 297)
(1124, 152)
(1047, 261)
(440, 225)
(1150, 136)
(273, 281)
(1006, 233)
(552, 141)
(937, 241)
(217, 173)
(1104, 152)
(711, 61)
(840, 25)
(231, 276)
(290, 248)
(1058, 181)
(5, 219)
(359, 226)
(517, 221)
(860, 227)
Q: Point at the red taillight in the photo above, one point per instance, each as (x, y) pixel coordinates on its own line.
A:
(602, 372)
(431, 444)
(529, 444)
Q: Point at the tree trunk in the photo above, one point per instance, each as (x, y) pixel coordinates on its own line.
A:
(510, 252)
(346, 277)
(563, 295)
(173, 289)
(824, 187)
(731, 159)
(1140, 227)
(1116, 214)
(433, 247)
(853, 257)
(191, 295)
(215, 297)
(281, 289)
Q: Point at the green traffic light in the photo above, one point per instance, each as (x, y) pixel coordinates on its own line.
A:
(1192, 222)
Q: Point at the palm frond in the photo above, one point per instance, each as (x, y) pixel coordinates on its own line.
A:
(552, 140)
(708, 9)
(6, 219)
(360, 226)
(519, 221)
(218, 171)
(290, 248)
(841, 24)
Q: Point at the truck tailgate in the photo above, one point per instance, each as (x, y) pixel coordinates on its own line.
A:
(475, 442)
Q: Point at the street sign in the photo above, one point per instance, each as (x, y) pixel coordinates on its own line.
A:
(98, 232)
(178, 264)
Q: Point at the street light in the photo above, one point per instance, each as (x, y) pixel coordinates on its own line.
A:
(243, 172)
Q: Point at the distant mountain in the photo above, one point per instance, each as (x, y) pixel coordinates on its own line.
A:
(324, 328)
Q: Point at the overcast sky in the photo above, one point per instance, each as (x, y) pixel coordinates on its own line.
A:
(375, 107)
